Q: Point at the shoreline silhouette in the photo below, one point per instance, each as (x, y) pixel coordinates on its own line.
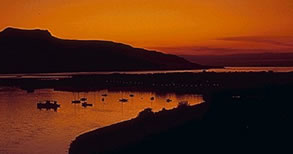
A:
(232, 119)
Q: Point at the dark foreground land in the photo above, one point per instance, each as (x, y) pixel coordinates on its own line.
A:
(255, 120)
(243, 112)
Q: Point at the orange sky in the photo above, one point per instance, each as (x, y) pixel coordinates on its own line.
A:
(174, 26)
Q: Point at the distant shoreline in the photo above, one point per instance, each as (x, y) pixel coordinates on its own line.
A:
(114, 71)
(217, 70)
(181, 82)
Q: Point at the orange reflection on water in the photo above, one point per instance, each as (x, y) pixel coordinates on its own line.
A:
(26, 129)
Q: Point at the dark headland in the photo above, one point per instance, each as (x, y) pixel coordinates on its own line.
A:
(122, 137)
(37, 51)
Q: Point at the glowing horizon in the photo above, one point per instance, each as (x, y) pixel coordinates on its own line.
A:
(174, 26)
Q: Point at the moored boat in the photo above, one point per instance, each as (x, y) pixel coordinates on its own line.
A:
(75, 101)
(83, 99)
(85, 104)
(48, 105)
(105, 95)
(168, 100)
(123, 100)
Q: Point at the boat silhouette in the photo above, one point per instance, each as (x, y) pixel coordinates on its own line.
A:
(85, 104)
(123, 100)
(76, 102)
(168, 100)
(83, 99)
(48, 105)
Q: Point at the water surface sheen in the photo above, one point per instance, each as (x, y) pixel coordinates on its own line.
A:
(26, 129)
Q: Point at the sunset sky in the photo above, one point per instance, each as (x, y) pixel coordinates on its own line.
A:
(171, 26)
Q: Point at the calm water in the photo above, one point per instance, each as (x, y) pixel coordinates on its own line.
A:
(227, 69)
(26, 129)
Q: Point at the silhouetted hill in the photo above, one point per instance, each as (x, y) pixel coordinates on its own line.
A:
(25, 51)
(252, 59)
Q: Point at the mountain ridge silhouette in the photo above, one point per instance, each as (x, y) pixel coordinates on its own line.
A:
(38, 51)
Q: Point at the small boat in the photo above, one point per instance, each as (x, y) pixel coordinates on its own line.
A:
(123, 100)
(152, 98)
(131, 95)
(83, 99)
(168, 100)
(85, 104)
(48, 105)
(104, 95)
(75, 101)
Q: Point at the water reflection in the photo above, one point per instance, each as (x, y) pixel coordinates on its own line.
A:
(26, 129)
